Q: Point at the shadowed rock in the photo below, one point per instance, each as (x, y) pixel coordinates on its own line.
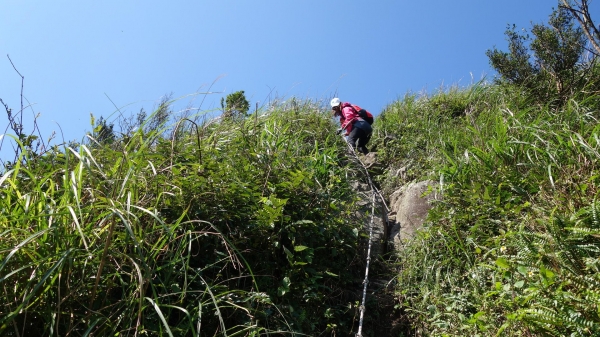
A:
(408, 210)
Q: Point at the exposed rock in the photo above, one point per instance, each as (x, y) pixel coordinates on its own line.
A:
(401, 172)
(380, 231)
(409, 207)
(369, 159)
(374, 167)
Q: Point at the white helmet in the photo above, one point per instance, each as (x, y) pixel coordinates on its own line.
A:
(335, 102)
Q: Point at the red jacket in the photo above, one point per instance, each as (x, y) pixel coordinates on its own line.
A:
(348, 115)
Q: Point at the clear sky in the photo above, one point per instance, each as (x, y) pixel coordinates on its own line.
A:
(80, 57)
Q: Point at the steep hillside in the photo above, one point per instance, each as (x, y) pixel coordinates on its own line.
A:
(254, 224)
(513, 247)
(239, 225)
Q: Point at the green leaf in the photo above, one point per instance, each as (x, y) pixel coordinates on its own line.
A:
(478, 316)
(285, 286)
(502, 263)
(547, 273)
(287, 252)
(486, 193)
(160, 315)
(281, 291)
(330, 273)
(300, 248)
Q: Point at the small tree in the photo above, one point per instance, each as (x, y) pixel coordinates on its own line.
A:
(557, 54)
(558, 49)
(514, 66)
(235, 105)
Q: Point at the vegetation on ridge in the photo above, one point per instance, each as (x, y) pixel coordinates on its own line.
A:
(513, 249)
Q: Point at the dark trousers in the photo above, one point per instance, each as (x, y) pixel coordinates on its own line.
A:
(360, 135)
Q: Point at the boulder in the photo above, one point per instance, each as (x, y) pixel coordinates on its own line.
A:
(409, 206)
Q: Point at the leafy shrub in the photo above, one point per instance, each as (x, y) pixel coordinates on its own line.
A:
(558, 69)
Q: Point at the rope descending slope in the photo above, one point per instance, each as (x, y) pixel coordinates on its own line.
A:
(366, 280)
(374, 194)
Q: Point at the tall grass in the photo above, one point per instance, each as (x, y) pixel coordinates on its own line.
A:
(513, 247)
(234, 227)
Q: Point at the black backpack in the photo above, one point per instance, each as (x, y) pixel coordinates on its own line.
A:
(364, 114)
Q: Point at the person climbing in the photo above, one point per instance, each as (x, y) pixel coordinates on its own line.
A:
(358, 130)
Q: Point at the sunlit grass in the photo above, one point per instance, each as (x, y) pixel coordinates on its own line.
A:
(507, 250)
(185, 235)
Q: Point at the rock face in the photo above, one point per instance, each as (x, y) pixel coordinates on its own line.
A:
(380, 228)
(371, 163)
(408, 210)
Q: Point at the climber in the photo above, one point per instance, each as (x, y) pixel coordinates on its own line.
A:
(357, 128)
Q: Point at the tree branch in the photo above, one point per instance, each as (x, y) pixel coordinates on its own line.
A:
(582, 15)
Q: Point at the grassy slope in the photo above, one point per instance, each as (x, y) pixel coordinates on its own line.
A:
(246, 226)
(239, 226)
(514, 247)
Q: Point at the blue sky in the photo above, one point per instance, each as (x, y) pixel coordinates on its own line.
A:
(81, 57)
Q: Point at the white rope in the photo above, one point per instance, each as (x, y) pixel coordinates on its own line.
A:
(375, 192)
(366, 281)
